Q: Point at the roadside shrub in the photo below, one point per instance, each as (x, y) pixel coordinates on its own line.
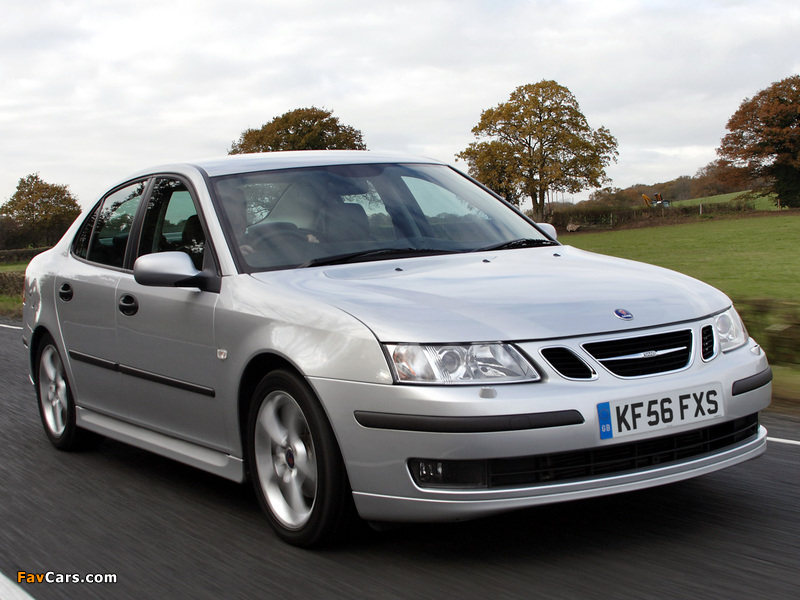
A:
(21, 255)
(608, 218)
(12, 284)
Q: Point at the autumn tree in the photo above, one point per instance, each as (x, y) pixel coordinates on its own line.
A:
(494, 164)
(719, 177)
(43, 211)
(678, 189)
(539, 141)
(614, 197)
(764, 138)
(300, 129)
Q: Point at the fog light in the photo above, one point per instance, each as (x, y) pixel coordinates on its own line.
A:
(448, 473)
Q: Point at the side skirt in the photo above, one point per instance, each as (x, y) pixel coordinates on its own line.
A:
(213, 461)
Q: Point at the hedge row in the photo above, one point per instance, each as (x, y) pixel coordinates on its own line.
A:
(608, 218)
(12, 283)
(23, 255)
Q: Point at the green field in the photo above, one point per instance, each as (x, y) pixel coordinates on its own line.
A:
(10, 306)
(748, 258)
(766, 203)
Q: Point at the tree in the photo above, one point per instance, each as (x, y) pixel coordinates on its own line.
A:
(9, 233)
(300, 129)
(764, 138)
(719, 177)
(495, 166)
(43, 211)
(677, 189)
(545, 143)
(613, 197)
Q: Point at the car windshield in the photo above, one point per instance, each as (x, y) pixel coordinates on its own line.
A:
(323, 215)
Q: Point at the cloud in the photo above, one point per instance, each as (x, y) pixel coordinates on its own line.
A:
(95, 89)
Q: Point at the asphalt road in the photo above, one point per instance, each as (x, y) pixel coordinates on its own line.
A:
(169, 531)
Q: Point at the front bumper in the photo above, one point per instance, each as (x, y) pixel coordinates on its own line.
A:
(522, 420)
(455, 506)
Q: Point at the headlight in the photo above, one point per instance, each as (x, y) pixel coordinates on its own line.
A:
(730, 330)
(458, 364)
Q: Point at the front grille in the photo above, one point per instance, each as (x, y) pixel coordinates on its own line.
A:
(707, 334)
(646, 355)
(620, 458)
(567, 363)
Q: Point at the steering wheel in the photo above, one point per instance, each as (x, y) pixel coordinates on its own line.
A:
(269, 236)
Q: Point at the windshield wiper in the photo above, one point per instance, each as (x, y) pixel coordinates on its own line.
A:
(375, 254)
(518, 243)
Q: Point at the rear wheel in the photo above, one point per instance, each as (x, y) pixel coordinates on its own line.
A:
(295, 462)
(56, 406)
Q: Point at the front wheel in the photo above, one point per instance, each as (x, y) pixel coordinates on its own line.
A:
(295, 462)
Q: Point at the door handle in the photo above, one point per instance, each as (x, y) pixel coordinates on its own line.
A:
(128, 305)
(65, 292)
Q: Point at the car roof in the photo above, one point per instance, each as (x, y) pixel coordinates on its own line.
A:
(265, 161)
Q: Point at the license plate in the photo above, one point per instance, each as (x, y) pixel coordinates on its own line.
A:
(627, 417)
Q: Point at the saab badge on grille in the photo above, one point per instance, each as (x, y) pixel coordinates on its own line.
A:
(623, 314)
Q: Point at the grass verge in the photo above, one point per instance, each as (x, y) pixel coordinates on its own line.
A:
(785, 389)
(12, 267)
(10, 306)
(10, 302)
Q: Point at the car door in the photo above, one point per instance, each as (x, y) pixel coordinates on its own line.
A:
(85, 298)
(165, 334)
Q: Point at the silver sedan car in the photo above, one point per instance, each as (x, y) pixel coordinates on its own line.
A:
(362, 334)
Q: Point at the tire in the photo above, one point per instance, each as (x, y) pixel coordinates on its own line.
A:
(56, 405)
(295, 463)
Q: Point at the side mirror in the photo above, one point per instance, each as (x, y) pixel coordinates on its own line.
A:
(167, 269)
(548, 229)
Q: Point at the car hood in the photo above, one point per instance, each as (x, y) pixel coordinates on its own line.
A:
(510, 295)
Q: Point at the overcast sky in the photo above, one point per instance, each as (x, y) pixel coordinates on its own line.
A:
(92, 90)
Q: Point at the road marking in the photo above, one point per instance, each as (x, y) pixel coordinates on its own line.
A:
(11, 591)
(11, 327)
(781, 441)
